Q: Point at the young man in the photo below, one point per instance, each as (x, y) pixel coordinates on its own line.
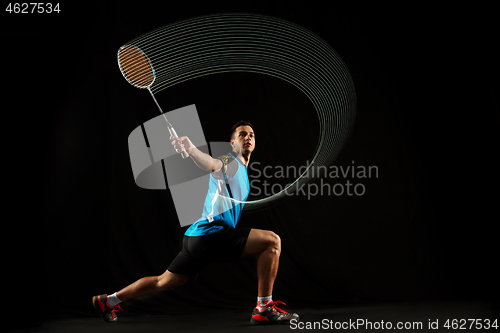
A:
(215, 233)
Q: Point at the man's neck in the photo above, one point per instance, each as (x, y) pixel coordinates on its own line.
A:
(244, 159)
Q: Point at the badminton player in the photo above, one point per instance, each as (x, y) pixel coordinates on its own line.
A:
(215, 237)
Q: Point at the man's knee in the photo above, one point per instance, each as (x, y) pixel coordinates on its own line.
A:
(274, 242)
(163, 283)
(169, 281)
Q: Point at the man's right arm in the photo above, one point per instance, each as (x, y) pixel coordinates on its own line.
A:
(205, 161)
(202, 160)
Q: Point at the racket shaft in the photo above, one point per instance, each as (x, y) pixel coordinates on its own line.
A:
(184, 153)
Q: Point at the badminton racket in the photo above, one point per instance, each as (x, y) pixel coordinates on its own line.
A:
(138, 70)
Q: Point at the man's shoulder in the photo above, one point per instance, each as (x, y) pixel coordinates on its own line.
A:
(226, 159)
(229, 165)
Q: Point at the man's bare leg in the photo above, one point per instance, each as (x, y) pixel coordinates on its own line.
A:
(152, 284)
(108, 305)
(268, 244)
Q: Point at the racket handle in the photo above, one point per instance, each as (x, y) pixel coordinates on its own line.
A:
(184, 153)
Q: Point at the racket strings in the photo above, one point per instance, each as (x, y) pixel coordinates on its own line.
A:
(135, 67)
(138, 75)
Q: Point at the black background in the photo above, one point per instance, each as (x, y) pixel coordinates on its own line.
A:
(76, 225)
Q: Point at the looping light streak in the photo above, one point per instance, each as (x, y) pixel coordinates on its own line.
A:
(240, 42)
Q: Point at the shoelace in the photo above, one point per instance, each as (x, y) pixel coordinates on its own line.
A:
(115, 309)
(274, 306)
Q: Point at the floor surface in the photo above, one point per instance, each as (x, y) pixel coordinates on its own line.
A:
(375, 317)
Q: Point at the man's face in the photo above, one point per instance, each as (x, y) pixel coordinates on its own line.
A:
(244, 137)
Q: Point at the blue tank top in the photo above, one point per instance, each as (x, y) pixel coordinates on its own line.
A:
(219, 211)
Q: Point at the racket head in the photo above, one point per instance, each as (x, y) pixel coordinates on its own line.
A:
(136, 67)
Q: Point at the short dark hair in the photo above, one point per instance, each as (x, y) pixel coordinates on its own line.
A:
(238, 124)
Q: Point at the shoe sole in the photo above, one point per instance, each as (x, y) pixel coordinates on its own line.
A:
(259, 322)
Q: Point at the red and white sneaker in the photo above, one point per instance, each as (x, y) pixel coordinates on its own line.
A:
(108, 313)
(272, 315)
